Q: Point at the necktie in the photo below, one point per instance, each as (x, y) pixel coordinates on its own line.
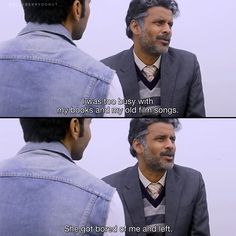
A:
(154, 189)
(149, 72)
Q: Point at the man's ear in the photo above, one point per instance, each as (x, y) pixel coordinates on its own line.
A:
(74, 128)
(135, 28)
(138, 147)
(76, 10)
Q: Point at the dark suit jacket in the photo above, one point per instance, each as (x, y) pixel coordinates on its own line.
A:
(186, 206)
(181, 85)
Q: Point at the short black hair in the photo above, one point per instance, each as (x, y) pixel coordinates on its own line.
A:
(138, 8)
(138, 128)
(48, 11)
(47, 129)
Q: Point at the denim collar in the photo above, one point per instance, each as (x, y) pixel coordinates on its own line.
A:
(55, 147)
(53, 29)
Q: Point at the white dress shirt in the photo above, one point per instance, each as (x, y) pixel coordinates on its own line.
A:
(141, 65)
(115, 216)
(146, 182)
(115, 92)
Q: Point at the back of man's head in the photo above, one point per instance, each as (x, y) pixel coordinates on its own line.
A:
(47, 129)
(48, 11)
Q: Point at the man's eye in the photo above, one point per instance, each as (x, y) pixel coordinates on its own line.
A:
(159, 22)
(173, 140)
(160, 139)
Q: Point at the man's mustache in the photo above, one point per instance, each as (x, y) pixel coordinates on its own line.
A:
(167, 153)
(167, 38)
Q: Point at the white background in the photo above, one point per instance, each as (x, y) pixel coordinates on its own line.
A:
(206, 145)
(206, 28)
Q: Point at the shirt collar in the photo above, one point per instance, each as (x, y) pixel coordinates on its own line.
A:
(146, 182)
(51, 146)
(54, 29)
(141, 65)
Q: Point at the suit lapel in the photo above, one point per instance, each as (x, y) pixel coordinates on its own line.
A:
(133, 198)
(173, 194)
(128, 76)
(168, 79)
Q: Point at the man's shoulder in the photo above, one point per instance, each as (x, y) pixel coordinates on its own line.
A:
(186, 172)
(123, 54)
(54, 50)
(90, 64)
(81, 179)
(56, 170)
(179, 53)
(117, 58)
(118, 177)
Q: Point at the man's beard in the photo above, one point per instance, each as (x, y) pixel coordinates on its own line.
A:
(156, 164)
(152, 49)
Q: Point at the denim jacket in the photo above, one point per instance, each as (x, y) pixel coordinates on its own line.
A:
(44, 193)
(43, 73)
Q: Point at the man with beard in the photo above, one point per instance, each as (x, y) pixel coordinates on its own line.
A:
(162, 81)
(159, 197)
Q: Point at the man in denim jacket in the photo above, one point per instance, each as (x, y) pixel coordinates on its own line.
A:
(44, 192)
(43, 73)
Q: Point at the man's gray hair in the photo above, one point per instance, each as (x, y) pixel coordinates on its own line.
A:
(138, 10)
(138, 128)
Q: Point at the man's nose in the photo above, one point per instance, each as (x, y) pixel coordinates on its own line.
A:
(167, 29)
(170, 144)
